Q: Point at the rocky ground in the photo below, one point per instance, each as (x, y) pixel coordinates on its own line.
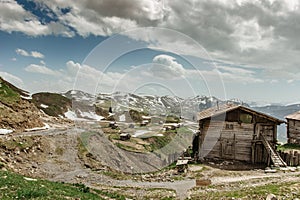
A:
(60, 155)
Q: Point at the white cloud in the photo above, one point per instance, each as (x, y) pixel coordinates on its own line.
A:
(88, 78)
(12, 79)
(14, 18)
(34, 54)
(86, 25)
(41, 69)
(22, 52)
(37, 54)
(236, 70)
(165, 66)
(254, 34)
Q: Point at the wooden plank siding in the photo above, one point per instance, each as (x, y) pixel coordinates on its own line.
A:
(239, 138)
(293, 131)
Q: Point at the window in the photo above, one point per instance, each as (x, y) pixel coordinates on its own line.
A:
(246, 118)
(229, 126)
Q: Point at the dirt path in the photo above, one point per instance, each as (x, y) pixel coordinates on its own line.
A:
(279, 175)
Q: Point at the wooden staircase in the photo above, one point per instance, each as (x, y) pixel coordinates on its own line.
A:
(275, 157)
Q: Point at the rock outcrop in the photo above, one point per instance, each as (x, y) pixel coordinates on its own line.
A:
(16, 111)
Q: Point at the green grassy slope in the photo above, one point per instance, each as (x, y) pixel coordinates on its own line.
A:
(9, 94)
(14, 186)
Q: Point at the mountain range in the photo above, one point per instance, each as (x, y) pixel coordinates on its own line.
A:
(20, 110)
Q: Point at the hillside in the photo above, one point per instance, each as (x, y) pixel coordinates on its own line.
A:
(52, 104)
(16, 112)
(279, 111)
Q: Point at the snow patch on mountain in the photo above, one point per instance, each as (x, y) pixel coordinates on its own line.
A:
(44, 106)
(82, 116)
(5, 131)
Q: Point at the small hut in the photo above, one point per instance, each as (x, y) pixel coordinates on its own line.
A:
(293, 128)
(125, 136)
(182, 165)
(113, 125)
(236, 132)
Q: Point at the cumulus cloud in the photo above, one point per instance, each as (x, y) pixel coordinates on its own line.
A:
(22, 52)
(37, 54)
(41, 69)
(14, 18)
(34, 54)
(88, 78)
(255, 34)
(165, 66)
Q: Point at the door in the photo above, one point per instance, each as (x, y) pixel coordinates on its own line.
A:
(227, 148)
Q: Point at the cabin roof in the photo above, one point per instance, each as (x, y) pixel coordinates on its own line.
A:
(295, 116)
(224, 108)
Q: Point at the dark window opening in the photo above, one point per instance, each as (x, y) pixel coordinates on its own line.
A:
(229, 126)
(246, 118)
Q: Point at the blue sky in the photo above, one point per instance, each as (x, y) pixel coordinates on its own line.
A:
(230, 49)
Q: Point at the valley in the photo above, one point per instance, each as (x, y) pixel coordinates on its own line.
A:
(124, 146)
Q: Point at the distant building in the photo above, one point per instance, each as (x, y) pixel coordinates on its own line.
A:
(235, 132)
(125, 136)
(293, 128)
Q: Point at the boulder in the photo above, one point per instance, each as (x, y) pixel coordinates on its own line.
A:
(271, 197)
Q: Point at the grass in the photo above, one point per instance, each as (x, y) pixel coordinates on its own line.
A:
(116, 175)
(172, 119)
(160, 142)
(287, 147)
(140, 193)
(281, 190)
(112, 195)
(85, 137)
(20, 143)
(7, 95)
(14, 186)
(125, 147)
(155, 142)
(152, 143)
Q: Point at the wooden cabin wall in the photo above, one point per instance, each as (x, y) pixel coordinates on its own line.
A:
(293, 131)
(232, 135)
(233, 140)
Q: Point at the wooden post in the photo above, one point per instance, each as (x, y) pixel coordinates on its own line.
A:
(221, 149)
(269, 159)
(285, 157)
(253, 153)
(296, 161)
(234, 144)
(288, 159)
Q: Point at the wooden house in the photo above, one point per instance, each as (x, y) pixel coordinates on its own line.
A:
(293, 128)
(235, 132)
